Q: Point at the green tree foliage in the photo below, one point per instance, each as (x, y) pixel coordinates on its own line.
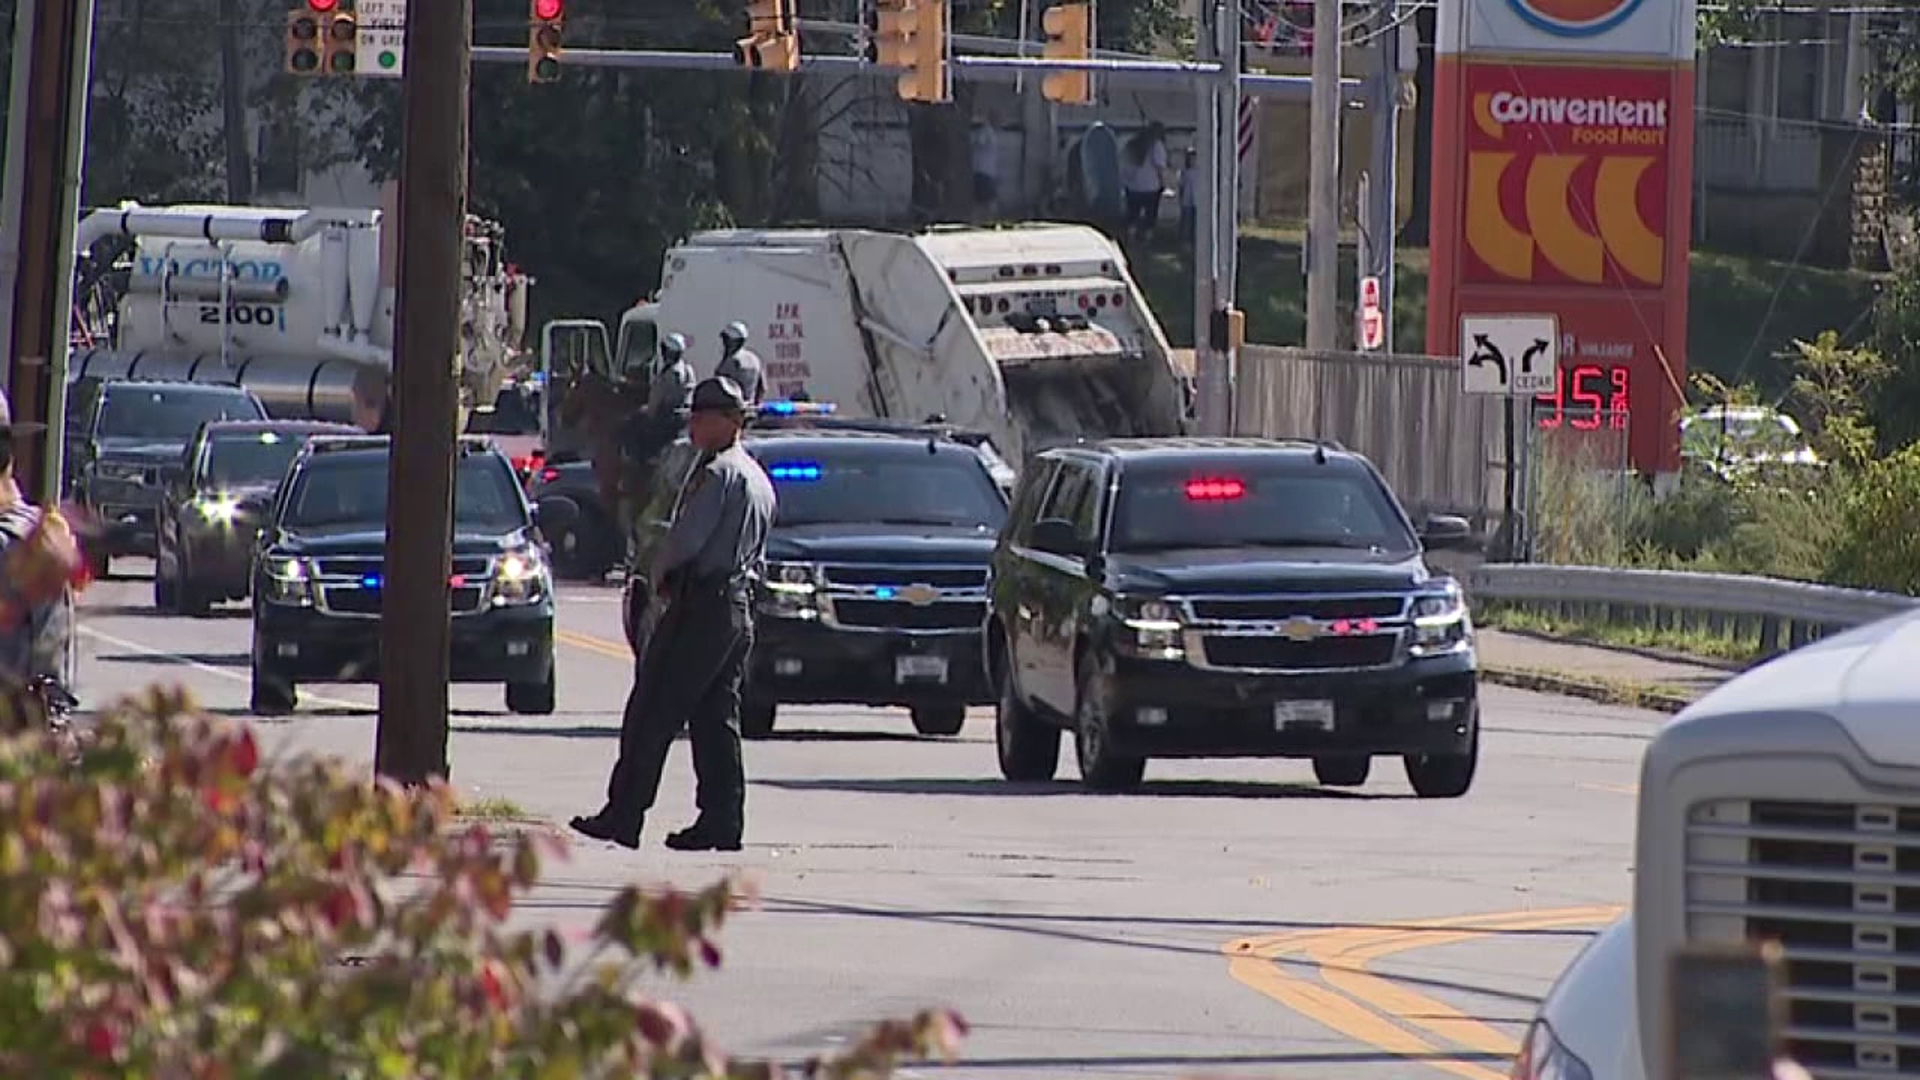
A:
(172, 907)
(1835, 387)
(1879, 531)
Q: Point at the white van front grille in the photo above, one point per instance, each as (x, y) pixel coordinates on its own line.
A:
(1837, 884)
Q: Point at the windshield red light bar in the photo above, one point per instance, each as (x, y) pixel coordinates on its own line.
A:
(1215, 490)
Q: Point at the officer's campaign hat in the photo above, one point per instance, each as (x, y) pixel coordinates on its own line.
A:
(719, 394)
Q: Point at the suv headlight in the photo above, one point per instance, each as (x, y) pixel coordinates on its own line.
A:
(219, 510)
(519, 577)
(1441, 623)
(791, 591)
(1150, 628)
(1544, 1057)
(286, 579)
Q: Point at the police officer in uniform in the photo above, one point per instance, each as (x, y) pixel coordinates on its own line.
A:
(695, 659)
(739, 363)
(654, 428)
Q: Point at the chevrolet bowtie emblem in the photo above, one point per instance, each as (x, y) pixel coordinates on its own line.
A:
(919, 595)
(1300, 629)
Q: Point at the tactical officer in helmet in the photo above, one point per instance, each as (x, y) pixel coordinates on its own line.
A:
(737, 362)
(652, 429)
(694, 661)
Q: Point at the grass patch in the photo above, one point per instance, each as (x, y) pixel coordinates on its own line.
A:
(1700, 642)
(1729, 300)
(492, 808)
(1598, 689)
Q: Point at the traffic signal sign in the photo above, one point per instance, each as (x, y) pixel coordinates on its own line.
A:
(303, 42)
(1069, 30)
(545, 23)
(772, 42)
(337, 51)
(913, 37)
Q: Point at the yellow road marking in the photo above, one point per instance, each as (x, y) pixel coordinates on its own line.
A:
(1616, 789)
(616, 650)
(1374, 1010)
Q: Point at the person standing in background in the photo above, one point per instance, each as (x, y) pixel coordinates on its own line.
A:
(1146, 178)
(739, 363)
(986, 168)
(373, 400)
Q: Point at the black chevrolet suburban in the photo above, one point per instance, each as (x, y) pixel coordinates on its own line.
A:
(321, 564)
(1195, 597)
(875, 584)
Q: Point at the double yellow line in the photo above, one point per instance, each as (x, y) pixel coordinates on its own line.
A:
(1349, 998)
(615, 650)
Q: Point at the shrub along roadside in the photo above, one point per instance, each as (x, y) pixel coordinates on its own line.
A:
(172, 906)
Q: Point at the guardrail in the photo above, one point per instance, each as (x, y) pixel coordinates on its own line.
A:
(1772, 609)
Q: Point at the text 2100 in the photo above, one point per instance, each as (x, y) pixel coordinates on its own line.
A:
(242, 315)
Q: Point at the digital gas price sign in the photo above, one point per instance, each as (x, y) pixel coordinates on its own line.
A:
(1591, 397)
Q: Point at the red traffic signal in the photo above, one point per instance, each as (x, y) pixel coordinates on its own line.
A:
(323, 6)
(542, 9)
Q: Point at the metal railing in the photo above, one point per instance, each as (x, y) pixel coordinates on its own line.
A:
(1781, 613)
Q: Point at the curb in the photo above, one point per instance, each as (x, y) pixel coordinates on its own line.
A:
(1603, 691)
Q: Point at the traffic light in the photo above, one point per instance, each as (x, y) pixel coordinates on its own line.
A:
(544, 25)
(303, 42)
(913, 37)
(337, 51)
(772, 42)
(1069, 30)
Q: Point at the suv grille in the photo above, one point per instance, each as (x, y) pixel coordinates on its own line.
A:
(1837, 884)
(1281, 654)
(1264, 608)
(940, 577)
(344, 589)
(893, 615)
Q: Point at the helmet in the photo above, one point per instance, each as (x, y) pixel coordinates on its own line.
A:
(735, 333)
(672, 346)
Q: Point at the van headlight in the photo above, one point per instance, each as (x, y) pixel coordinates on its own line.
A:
(791, 590)
(1544, 1057)
(519, 577)
(1150, 628)
(287, 579)
(1441, 623)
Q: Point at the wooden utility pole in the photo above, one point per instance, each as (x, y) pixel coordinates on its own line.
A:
(42, 215)
(415, 630)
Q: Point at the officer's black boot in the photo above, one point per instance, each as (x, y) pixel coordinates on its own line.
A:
(601, 827)
(701, 836)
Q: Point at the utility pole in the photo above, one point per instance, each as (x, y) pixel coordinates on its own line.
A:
(1323, 192)
(42, 217)
(1216, 209)
(415, 630)
(233, 107)
(1380, 184)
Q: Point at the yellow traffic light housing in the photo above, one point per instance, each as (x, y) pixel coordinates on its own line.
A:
(912, 36)
(303, 42)
(773, 41)
(546, 23)
(337, 51)
(1069, 30)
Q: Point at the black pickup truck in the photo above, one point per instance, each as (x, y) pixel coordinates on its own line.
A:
(876, 581)
(1227, 598)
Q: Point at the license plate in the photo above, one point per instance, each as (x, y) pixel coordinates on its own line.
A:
(920, 669)
(1297, 714)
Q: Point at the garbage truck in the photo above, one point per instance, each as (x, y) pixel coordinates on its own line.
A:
(1035, 334)
(287, 302)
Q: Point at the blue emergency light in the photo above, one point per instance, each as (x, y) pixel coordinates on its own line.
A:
(884, 592)
(371, 581)
(797, 408)
(803, 471)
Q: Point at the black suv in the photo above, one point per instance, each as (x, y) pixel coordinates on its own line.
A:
(211, 515)
(127, 441)
(1227, 598)
(875, 585)
(317, 577)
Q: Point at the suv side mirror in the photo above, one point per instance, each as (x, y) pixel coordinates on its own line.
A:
(1056, 536)
(1446, 532)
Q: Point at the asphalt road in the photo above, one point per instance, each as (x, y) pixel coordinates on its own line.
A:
(1231, 918)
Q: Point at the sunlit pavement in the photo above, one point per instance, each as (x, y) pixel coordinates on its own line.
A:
(1231, 918)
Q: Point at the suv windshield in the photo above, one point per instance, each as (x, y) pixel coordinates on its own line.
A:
(1289, 501)
(890, 484)
(256, 457)
(351, 489)
(168, 413)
